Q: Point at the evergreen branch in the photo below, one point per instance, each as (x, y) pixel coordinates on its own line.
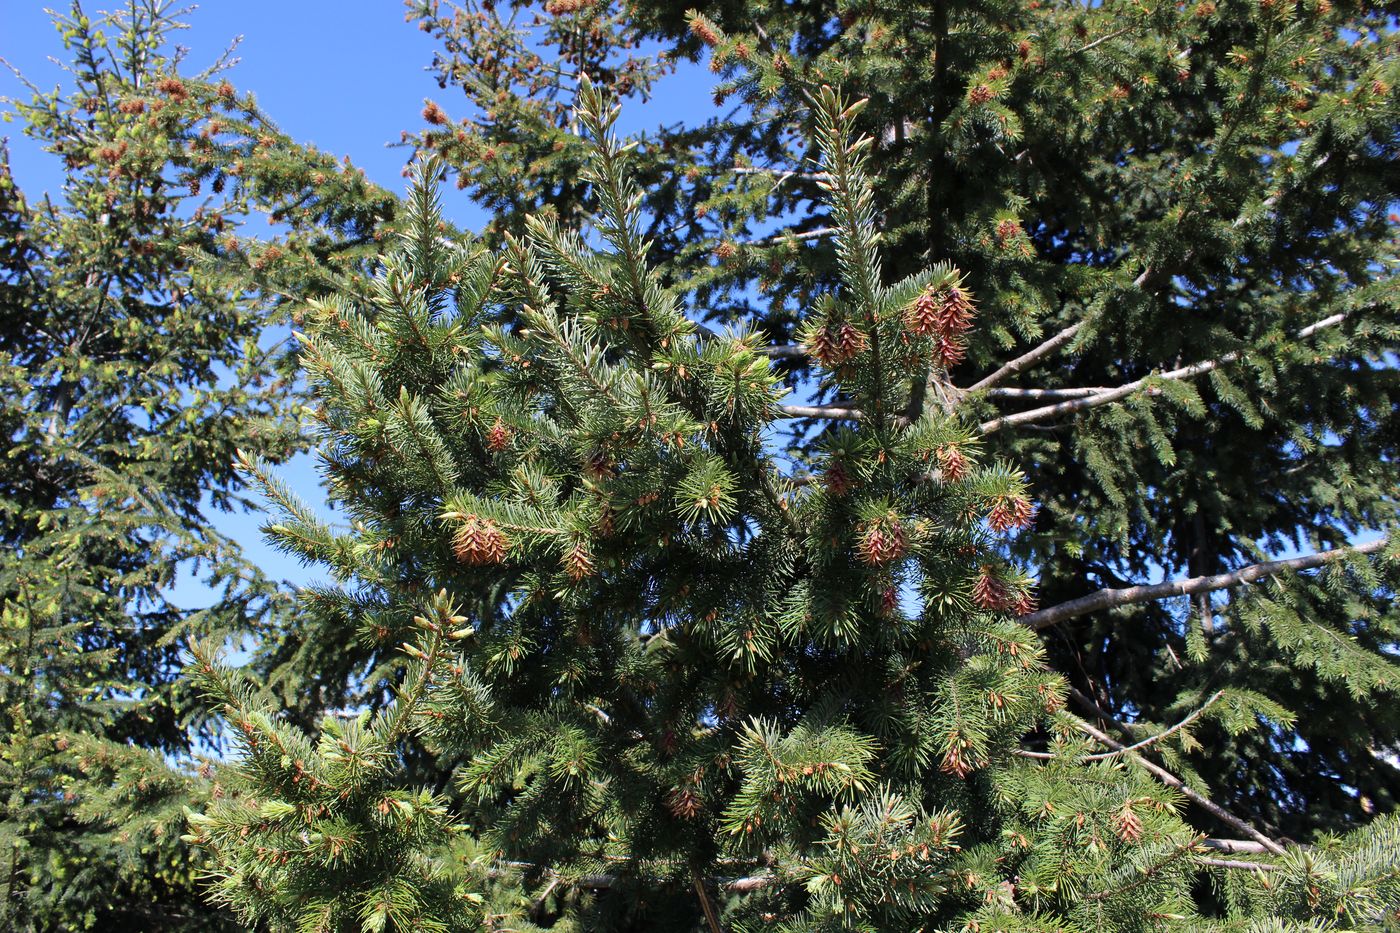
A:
(1123, 391)
(1166, 777)
(1109, 598)
(1028, 358)
(1143, 875)
(1152, 740)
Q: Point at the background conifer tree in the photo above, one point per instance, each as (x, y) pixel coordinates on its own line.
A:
(141, 347)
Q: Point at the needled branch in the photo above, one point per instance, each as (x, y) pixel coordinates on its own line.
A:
(1109, 598)
(1123, 391)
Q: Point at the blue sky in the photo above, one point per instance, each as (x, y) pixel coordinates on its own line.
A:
(347, 76)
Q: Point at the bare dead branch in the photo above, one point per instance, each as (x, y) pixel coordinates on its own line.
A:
(1123, 391)
(1234, 846)
(1109, 598)
(795, 237)
(1232, 863)
(827, 412)
(1027, 359)
(1041, 394)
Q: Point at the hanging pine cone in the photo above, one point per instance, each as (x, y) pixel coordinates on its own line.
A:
(1010, 512)
(599, 465)
(959, 759)
(1025, 603)
(921, 316)
(883, 541)
(838, 481)
(949, 351)
(850, 339)
(479, 541)
(835, 344)
(944, 313)
(684, 803)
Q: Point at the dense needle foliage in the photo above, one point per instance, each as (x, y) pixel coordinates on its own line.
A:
(952, 487)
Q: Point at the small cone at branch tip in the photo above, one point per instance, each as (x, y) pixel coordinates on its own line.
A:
(1010, 512)
(702, 29)
(498, 438)
(578, 561)
(883, 541)
(480, 542)
(1127, 824)
(952, 463)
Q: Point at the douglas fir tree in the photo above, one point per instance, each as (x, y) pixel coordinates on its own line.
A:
(655, 669)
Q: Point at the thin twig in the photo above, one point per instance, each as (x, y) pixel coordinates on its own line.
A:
(1166, 777)
(1159, 736)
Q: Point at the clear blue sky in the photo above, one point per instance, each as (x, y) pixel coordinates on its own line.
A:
(347, 75)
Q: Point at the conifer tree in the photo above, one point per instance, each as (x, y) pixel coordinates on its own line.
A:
(670, 673)
(139, 331)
